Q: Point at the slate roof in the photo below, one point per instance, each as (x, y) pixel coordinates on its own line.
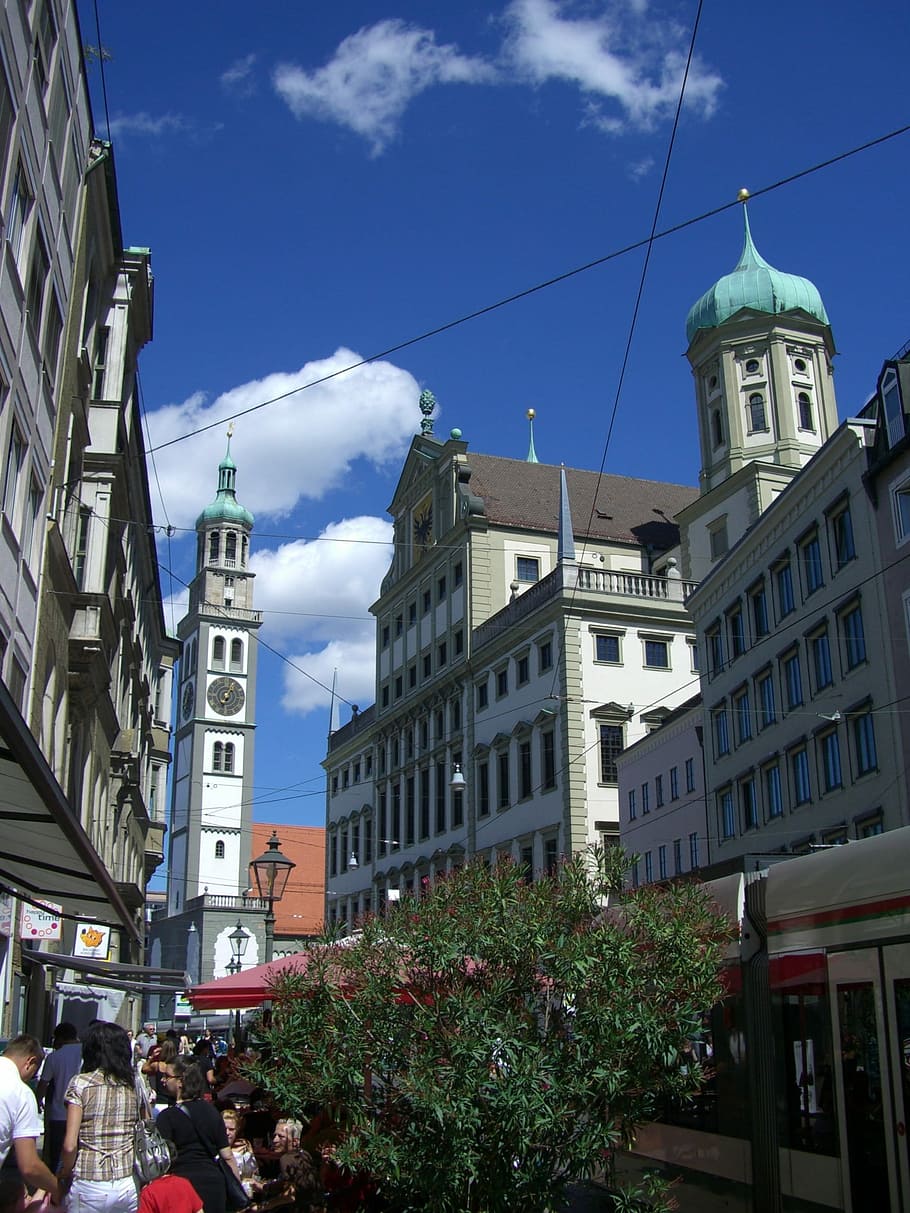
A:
(526, 495)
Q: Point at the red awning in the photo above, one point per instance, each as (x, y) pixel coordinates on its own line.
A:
(246, 989)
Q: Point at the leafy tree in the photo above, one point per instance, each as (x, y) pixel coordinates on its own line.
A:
(487, 1043)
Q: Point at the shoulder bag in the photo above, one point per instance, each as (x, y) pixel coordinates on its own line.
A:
(151, 1151)
(237, 1198)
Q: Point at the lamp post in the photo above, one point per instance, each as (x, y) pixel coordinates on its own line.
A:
(270, 875)
(238, 940)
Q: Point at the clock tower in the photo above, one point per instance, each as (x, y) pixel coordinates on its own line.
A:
(212, 793)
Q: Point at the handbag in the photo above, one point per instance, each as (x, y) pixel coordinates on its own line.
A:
(151, 1151)
(236, 1196)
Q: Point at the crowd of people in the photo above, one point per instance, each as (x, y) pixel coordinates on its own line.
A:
(93, 1091)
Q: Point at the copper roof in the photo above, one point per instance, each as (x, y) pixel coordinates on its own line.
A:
(607, 507)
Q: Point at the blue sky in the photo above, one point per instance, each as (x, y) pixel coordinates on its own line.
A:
(319, 183)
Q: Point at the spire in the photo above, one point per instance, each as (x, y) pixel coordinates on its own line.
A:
(532, 454)
(226, 508)
(750, 258)
(565, 549)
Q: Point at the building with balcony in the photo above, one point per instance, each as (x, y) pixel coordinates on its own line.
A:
(531, 626)
(86, 662)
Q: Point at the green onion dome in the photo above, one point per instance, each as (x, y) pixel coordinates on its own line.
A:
(225, 508)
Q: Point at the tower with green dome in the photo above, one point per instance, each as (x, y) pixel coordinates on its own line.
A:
(761, 351)
(212, 792)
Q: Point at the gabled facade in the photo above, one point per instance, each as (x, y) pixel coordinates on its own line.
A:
(514, 649)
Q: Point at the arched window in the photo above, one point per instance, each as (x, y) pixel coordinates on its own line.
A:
(757, 419)
(218, 756)
(218, 652)
(219, 849)
(236, 654)
(806, 421)
(214, 546)
(244, 544)
(717, 427)
(228, 757)
(230, 548)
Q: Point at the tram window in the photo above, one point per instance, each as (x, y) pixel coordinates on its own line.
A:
(804, 1077)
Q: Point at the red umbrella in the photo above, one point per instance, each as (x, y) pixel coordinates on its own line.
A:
(246, 989)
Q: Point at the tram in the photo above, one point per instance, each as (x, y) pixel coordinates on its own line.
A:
(809, 1054)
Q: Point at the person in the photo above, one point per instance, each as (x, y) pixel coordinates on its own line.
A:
(196, 1130)
(20, 1126)
(287, 1135)
(184, 1047)
(247, 1167)
(202, 1057)
(101, 1112)
(59, 1068)
(170, 1194)
(146, 1040)
(157, 1069)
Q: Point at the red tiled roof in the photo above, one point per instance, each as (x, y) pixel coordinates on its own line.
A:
(301, 910)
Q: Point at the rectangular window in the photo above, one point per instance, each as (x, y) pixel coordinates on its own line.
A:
(15, 459)
(715, 641)
(544, 656)
(412, 614)
(842, 538)
(677, 857)
(385, 636)
(396, 813)
(398, 687)
(774, 799)
(793, 681)
(527, 568)
(811, 555)
(440, 798)
(425, 802)
(742, 713)
(502, 682)
(7, 118)
(611, 745)
(658, 791)
(409, 813)
(524, 770)
(693, 851)
(690, 774)
(483, 789)
(737, 633)
(457, 575)
(632, 810)
(483, 694)
(764, 686)
(727, 819)
(440, 589)
(548, 759)
(606, 648)
(693, 655)
(502, 772)
(368, 840)
(649, 867)
(459, 642)
(758, 602)
(19, 207)
(829, 746)
(657, 654)
(854, 637)
(442, 654)
(426, 601)
(864, 743)
(427, 665)
(783, 582)
(821, 659)
(662, 862)
(721, 732)
(748, 804)
(799, 770)
(38, 270)
(412, 677)
(399, 625)
(522, 670)
(645, 799)
(674, 783)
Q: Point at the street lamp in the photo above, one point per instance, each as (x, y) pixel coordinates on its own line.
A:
(238, 940)
(270, 875)
(457, 782)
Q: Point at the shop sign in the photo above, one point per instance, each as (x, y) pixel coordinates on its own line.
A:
(92, 940)
(41, 922)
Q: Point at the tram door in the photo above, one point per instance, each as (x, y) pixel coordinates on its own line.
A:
(870, 1000)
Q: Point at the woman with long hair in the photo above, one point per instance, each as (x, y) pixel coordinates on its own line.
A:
(195, 1128)
(156, 1071)
(101, 1111)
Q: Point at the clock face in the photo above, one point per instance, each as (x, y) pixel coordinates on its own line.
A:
(189, 696)
(226, 696)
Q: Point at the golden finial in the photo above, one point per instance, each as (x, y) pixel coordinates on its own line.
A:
(530, 414)
(742, 196)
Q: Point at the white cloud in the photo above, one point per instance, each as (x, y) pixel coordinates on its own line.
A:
(373, 75)
(299, 447)
(625, 56)
(143, 123)
(238, 78)
(315, 596)
(638, 169)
